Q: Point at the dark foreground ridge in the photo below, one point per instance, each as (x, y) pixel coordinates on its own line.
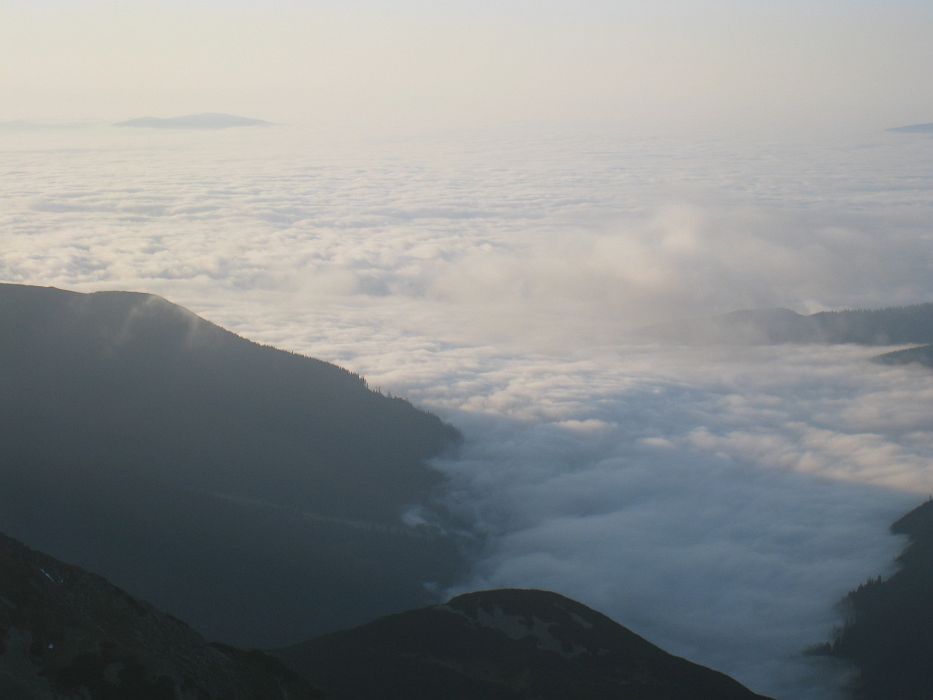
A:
(888, 633)
(206, 473)
(502, 645)
(889, 326)
(65, 633)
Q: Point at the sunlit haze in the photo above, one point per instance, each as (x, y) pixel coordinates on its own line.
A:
(649, 67)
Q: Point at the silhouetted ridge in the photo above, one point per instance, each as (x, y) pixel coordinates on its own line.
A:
(889, 326)
(65, 633)
(502, 645)
(888, 633)
(254, 479)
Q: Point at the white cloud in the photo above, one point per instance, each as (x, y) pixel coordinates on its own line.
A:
(723, 542)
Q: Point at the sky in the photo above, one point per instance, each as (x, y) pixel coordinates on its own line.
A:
(474, 204)
(674, 67)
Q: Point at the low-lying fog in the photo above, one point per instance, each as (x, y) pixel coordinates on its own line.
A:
(718, 501)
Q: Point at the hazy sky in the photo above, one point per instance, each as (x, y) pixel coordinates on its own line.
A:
(645, 64)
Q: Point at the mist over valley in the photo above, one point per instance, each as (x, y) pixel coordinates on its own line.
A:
(717, 499)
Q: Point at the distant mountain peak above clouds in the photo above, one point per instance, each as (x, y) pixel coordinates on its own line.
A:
(204, 120)
(914, 129)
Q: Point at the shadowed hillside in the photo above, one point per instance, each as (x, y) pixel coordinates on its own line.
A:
(502, 645)
(207, 473)
(65, 633)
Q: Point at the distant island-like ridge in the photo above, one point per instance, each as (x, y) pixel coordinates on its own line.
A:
(914, 129)
(920, 355)
(204, 121)
(896, 325)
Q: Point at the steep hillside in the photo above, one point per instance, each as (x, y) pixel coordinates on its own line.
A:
(502, 645)
(207, 473)
(889, 630)
(65, 633)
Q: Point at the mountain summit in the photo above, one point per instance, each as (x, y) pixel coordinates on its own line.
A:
(502, 645)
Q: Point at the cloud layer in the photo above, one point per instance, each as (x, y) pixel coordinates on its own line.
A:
(719, 506)
(717, 501)
(539, 234)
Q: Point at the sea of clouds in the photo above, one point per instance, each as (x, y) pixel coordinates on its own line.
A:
(717, 501)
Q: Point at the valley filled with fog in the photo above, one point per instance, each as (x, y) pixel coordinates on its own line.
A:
(718, 500)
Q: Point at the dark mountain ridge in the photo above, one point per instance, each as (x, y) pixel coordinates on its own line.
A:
(502, 645)
(252, 479)
(66, 633)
